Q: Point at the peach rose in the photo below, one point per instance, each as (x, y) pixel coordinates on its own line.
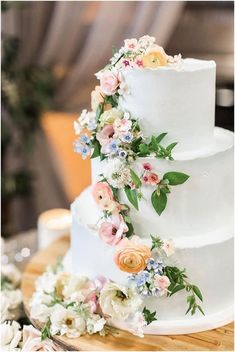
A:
(109, 82)
(97, 97)
(103, 195)
(155, 57)
(112, 232)
(131, 255)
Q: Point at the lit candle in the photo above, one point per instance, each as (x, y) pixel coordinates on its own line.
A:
(53, 224)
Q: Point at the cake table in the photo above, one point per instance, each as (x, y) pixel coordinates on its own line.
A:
(220, 339)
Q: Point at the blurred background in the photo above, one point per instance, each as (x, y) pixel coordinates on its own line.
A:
(50, 52)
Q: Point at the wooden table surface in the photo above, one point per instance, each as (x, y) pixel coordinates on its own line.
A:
(220, 339)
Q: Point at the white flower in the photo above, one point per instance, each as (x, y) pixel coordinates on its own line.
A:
(146, 41)
(136, 324)
(73, 289)
(67, 322)
(109, 116)
(10, 304)
(175, 61)
(40, 312)
(77, 127)
(131, 44)
(46, 282)
(168, 247)
(10, 336)
(12, 273)
(95, 324)
(119, 301)
(117, 173)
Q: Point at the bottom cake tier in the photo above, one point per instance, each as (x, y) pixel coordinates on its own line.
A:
(209, 265)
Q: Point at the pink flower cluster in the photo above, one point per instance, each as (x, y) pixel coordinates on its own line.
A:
(149, 177)
(111, 230)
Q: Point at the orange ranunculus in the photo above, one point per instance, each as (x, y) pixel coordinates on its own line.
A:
(131, 255)
(155, 57)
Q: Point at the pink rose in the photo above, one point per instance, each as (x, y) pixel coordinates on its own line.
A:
(162, 282)
(103, 195)
(112, 232)
(109, 82)
(32, 341)
(105, 135)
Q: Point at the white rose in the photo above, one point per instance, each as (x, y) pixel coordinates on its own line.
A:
(40, 312)
(108, 117)
(12, 273)
(10, 335)
(119, 301)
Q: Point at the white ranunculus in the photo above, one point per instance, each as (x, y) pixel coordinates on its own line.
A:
(10, 336)
(65, 321)
(12, 273)
(95, 324)
(39, 297)
(40, 312)
(119, 301)
(46, 282)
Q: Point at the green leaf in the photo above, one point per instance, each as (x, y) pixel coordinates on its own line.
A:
(136, 180)
(132, 196)
(159, 138)
(45, 333)
(143, 149)
(201, 310)
(148, 316)
(130, 230)
(96, 151)
(175, 178)
(197, 292)
(115, 192)
(176, 289)
(159, 201)
(99, 111)
(156, 242)
(114, 50)
(171, 146)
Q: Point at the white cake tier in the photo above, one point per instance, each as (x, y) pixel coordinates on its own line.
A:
(201, 208)
(209, 265)
(180, 102)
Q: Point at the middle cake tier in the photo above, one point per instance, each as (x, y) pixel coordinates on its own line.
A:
(200, 208)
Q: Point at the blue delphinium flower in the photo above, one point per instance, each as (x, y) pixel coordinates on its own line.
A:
(92, 125)
(155, 265)
(122, 154)
(127, 137)
(114, 146)
(84, 139)
(82, 149)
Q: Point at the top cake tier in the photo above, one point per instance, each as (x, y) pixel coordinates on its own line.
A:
(178, 101)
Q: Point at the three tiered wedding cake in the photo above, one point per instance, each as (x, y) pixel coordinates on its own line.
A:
(157, 221)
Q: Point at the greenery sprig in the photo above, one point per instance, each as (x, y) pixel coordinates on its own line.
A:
(178, 280)
(45, 333)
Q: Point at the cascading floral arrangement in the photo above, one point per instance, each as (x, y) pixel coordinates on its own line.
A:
(75, 305)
